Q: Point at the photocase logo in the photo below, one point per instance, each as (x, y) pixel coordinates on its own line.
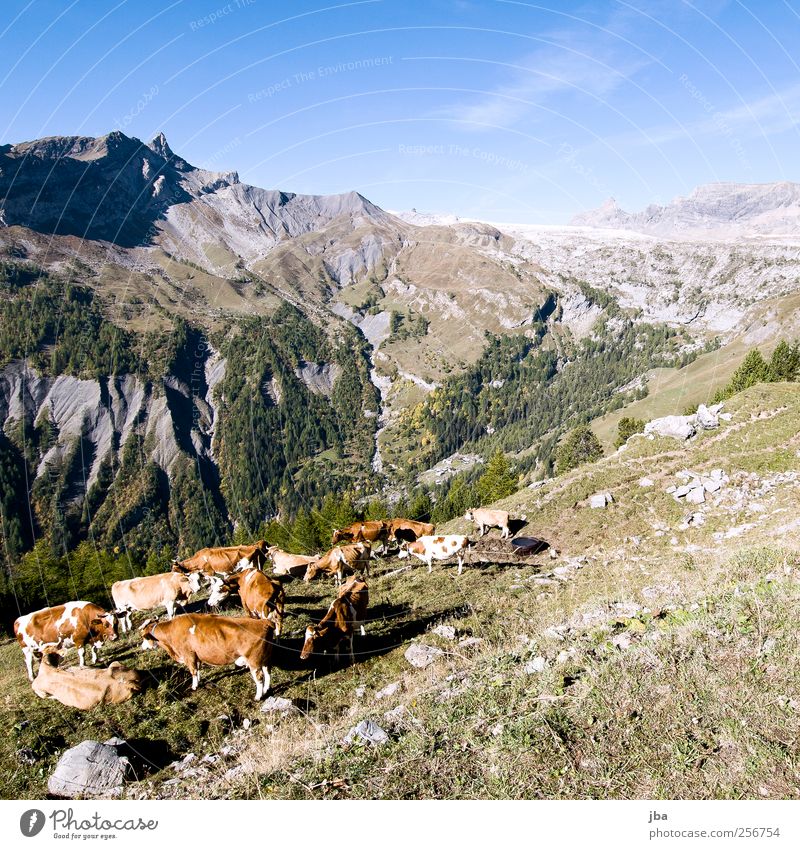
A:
(31, 822)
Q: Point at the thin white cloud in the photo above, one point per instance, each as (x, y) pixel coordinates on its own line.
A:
(541, 77)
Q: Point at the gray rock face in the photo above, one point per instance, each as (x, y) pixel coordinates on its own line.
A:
(716, 210)
(600, 500)
(389, 690)
(88, 769)
(366, 733)
(420, 655)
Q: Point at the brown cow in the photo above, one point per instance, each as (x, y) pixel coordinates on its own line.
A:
(85, 688)
(261, 596)
(151, 591)
(371, 532)
(334, 562)
(76, 623)
(407, 530)
(347, 612)
(224, 561)
(284, 563)
(195, 638)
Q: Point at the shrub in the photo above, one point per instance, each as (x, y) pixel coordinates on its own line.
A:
(580, 446)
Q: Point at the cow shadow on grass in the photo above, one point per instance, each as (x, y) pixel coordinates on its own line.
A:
(379, 640)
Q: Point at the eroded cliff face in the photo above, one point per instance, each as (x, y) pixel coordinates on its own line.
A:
(73, 434)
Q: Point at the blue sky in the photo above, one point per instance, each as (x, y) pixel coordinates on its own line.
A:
(507, 111)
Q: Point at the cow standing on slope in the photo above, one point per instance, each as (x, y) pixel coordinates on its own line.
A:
(196, 638)
(261, 596)
(76, 623)
(430, 548)
(152, 591)
(347, 613)
(352, 558)
(224, 560)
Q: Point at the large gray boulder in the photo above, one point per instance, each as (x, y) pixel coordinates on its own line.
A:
(676, 427)
(88, 769)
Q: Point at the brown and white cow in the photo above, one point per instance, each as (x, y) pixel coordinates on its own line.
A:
(196, 638)
(408, 530)
(484, 518)
(261, 596)
(76, 623)
(86, 688)
(430, 548)
(223, 560)
(371, 531)
(284, 563)
(150, 591)
(354, 557)
(347, 613)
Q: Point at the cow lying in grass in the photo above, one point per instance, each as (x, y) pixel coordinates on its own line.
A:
(193, 639)
(284, 563)
(84, 688)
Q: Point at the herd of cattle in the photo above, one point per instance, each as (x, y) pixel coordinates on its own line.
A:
(218, 640)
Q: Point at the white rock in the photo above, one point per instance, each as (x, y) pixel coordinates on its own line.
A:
(696, 496)
(470, 642)
(600, 500)
(420, 655)
(275, 704)
(368, 733)
(675, 427)
(645, 482)
(705, 418)
(538, 664)
(446, 632)
(388, 690)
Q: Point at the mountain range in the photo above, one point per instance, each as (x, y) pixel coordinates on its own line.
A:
(257, 348)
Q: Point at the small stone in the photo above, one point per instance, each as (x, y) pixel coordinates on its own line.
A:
(277, 704)
(420, 655)
(446, 632)
(600, 500)
(366, 732)
(497, 729)
(360, 692)
(621, 641)
(645, 482)
(538, 664)
(769, 645)
(388, 690)
(696, 496)
(470, 642)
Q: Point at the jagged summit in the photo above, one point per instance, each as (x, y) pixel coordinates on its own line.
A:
(714, 210)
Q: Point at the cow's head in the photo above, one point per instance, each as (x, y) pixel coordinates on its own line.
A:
(312, 570)
(149, 639)
(403, 551)
(338, 536)
(468, 515)
(103, 628)
(194, 581)
(220, 590)
(177, 565)
(314, 636)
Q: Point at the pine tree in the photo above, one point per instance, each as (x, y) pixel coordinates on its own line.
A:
(626, 428)
(497, 481)
(753, 369)
(785, 361)
(580, 446)
(304, 534)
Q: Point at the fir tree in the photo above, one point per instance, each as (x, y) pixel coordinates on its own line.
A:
(753, 369)
(785, 361)
(580, 446)
(497, 481)
(626, 428)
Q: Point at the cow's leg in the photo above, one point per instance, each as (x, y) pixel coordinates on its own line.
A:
(94, 652)
(194, 667)
(429, 561)
(460, 564)
(352, 656)
(27, 651)
(267, 679)
(81, 659)
(170, 605)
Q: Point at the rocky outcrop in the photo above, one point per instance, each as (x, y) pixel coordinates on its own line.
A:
(88, 769)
